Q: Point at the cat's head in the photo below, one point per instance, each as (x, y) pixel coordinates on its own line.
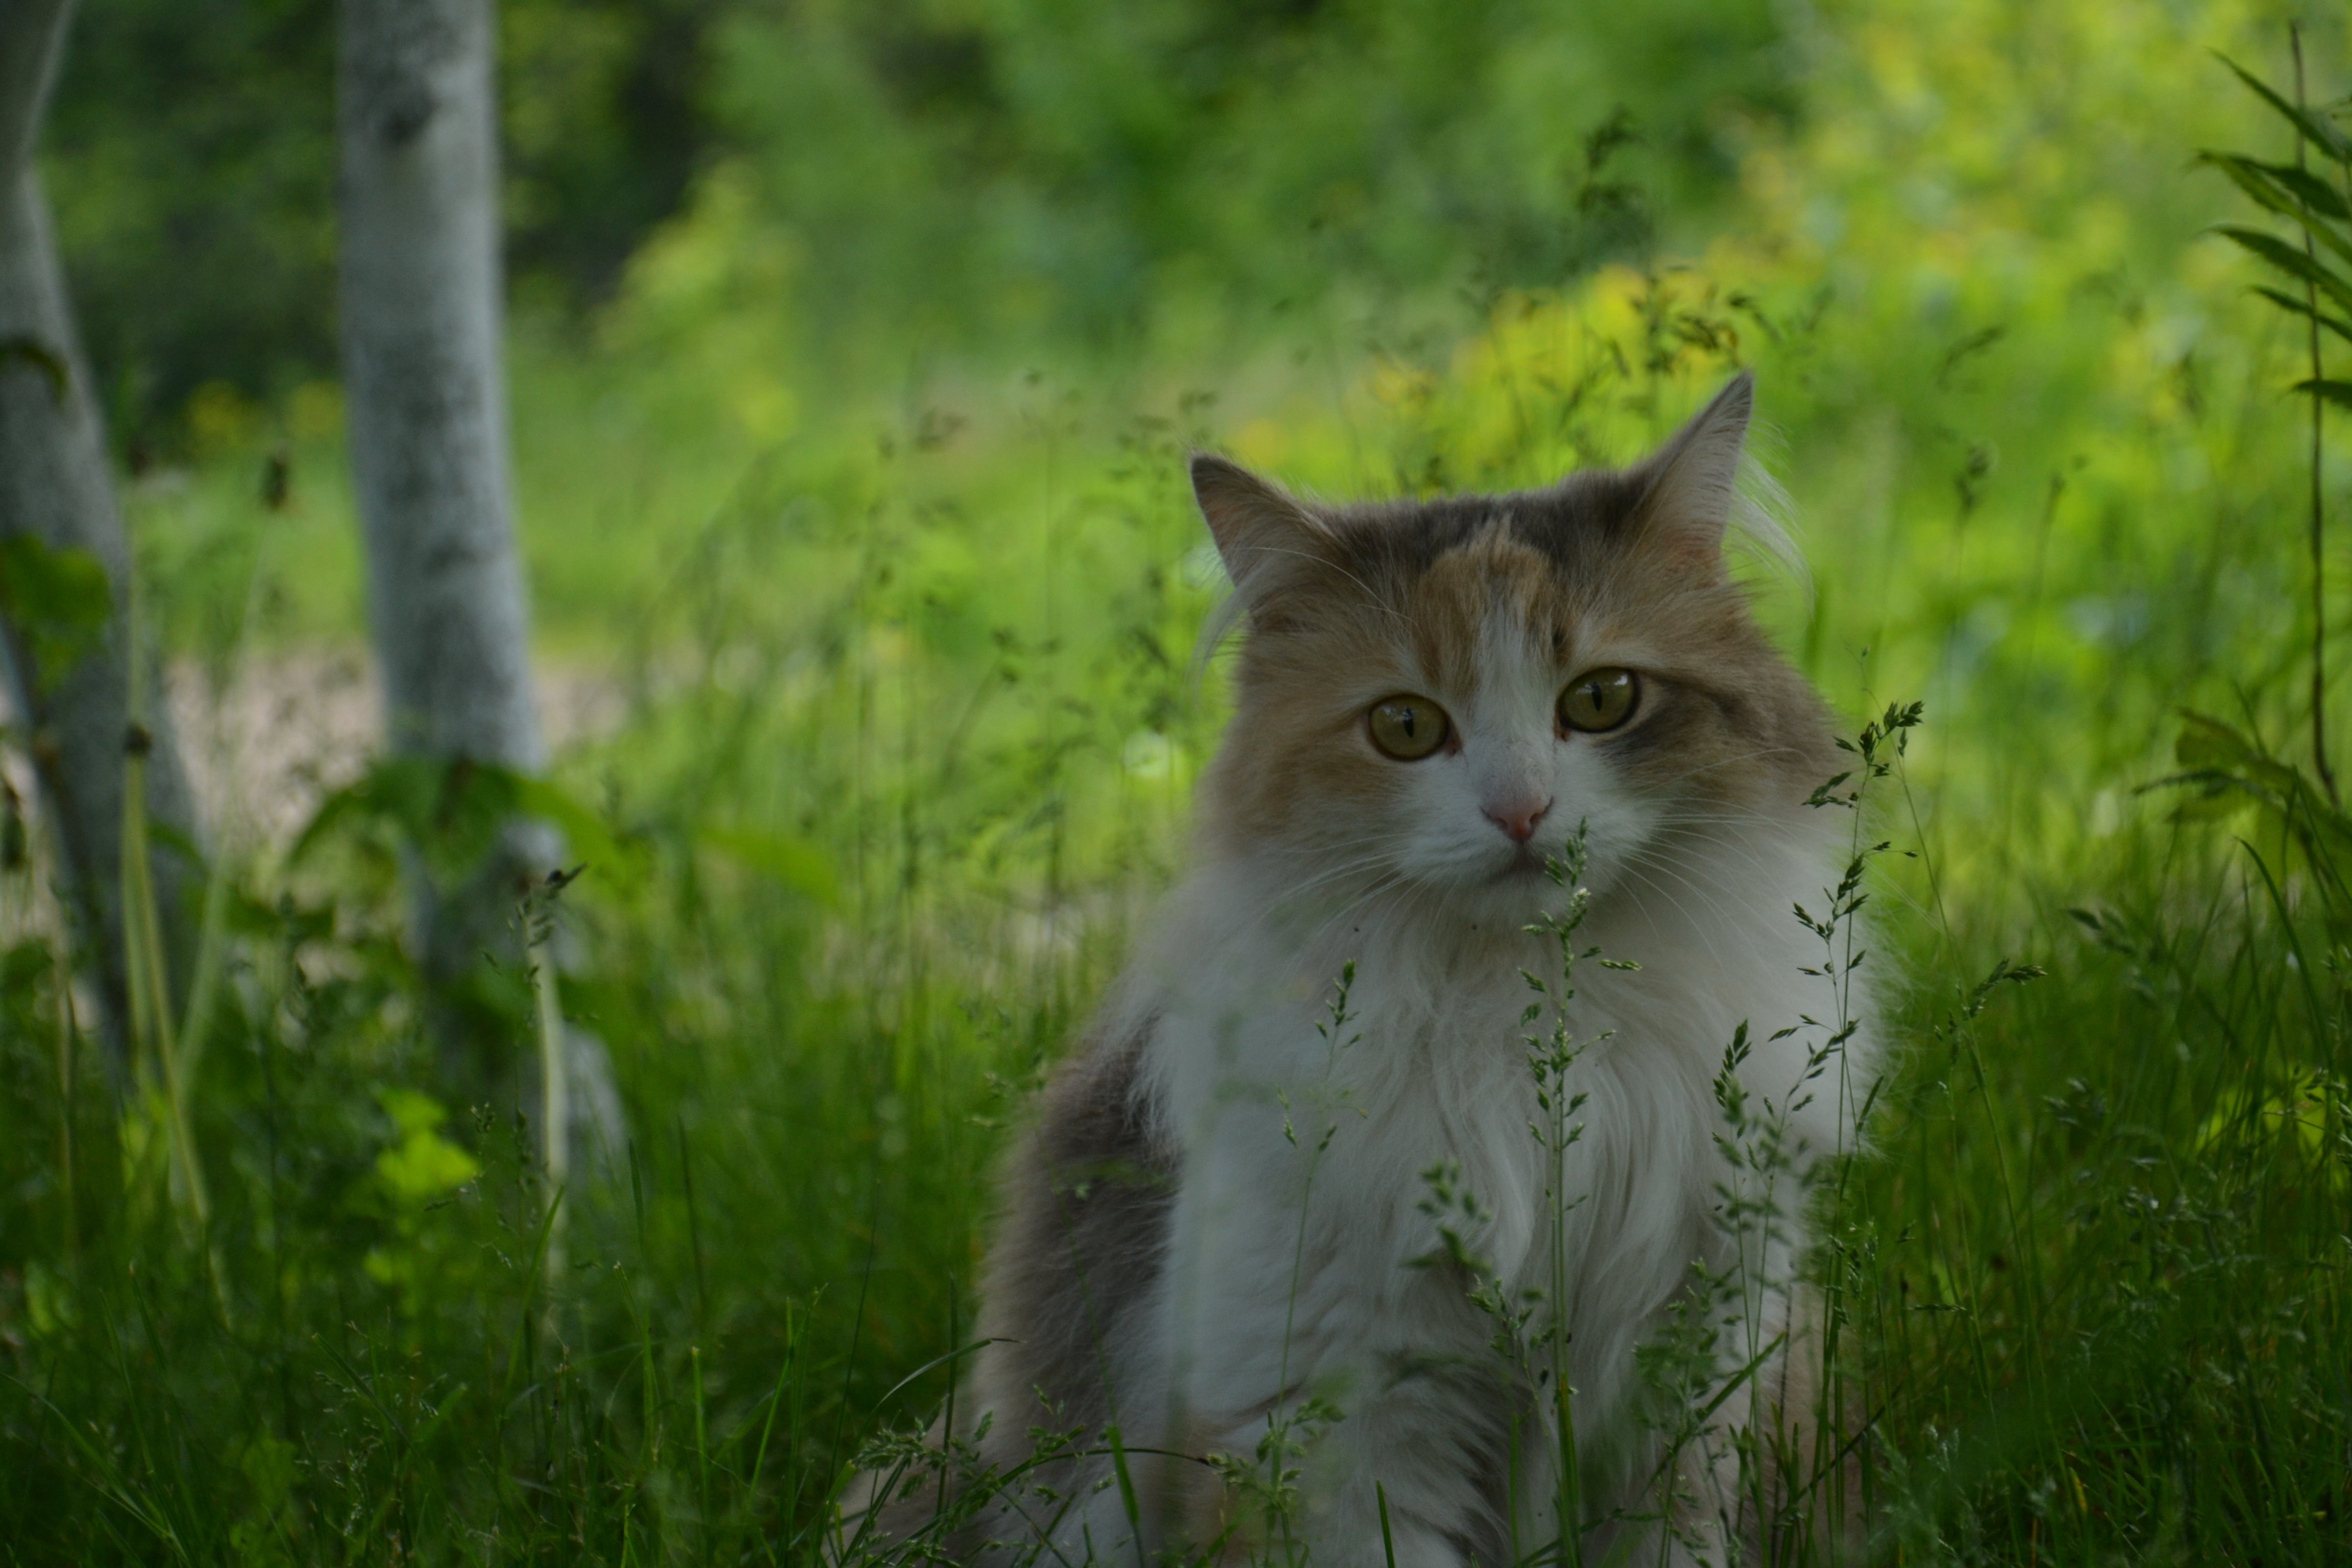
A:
(1434, 696)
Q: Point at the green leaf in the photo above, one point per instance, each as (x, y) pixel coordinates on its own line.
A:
(2289, 260)
(2265, 183)
(2315, 128)
(59, 601)
(2229, 769)
(2208, 743)
(2282, 187)
(2315, 193)
(587, 836)
(41, 357)
(2339, 393)
(793, 862)
(453, 812)
(423, 1165)
(395, 793)
(2307, 188)
(2336, 324)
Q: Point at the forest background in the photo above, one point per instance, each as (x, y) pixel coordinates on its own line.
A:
(855, 351)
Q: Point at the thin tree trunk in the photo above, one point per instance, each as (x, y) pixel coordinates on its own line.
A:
(422, 344)
(423, 327)
(56, 487)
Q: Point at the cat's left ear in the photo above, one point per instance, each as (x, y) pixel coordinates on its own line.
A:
(1688, 501)
(1262, 533)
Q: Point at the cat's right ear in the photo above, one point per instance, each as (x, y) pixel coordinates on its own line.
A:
(1259, 529)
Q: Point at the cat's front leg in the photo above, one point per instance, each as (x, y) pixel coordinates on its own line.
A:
(1261, 1493)
(1329, 1386)
(1430, 1444)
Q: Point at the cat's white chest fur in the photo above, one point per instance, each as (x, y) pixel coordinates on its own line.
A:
(1320, 1160)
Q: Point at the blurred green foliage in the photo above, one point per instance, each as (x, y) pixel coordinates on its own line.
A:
(189, 156)
(944, 174)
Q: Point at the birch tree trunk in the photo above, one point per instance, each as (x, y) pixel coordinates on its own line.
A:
(56, 487)
(422, 344)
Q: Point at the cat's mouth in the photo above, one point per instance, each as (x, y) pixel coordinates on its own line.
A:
(1529, 861)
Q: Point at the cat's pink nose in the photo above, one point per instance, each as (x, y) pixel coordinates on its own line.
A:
(1518, 818)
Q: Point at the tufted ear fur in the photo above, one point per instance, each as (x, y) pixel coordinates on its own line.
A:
(1260, 530)
(1691, 495)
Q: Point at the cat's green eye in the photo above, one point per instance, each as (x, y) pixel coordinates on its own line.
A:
(1599, 699)
(1406, 727)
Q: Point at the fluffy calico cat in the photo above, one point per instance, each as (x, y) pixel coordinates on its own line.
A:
(1224, 1211)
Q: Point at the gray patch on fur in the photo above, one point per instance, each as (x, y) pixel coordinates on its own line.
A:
(1081, 1244)
(1088, 1196)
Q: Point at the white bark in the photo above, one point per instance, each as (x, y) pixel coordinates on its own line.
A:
(56, 485)
(422, 337)
(32, 40)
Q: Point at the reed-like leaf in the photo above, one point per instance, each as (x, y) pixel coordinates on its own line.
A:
(2282, 187)
(2336, 324)
(2290, 260)
(2315, 126)
(2261, 182)
(2339, 393)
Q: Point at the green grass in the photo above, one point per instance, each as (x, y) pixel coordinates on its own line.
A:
(906, 721)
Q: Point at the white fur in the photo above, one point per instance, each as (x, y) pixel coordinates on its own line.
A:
(1284, 1284)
